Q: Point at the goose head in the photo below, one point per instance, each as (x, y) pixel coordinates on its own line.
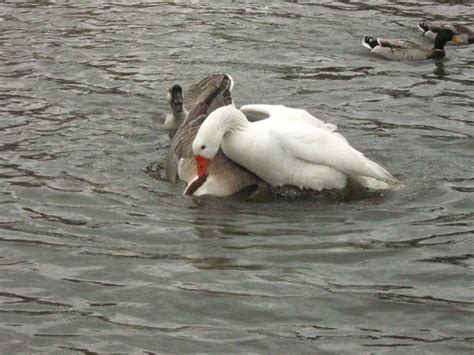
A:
(205, 148)
(208, 140)
(178, 113)
(204, 151)
(175, 98)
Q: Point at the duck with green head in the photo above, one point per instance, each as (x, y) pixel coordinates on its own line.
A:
(399, 49)
(431, 29)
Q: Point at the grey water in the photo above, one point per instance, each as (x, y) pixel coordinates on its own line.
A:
(100, 254)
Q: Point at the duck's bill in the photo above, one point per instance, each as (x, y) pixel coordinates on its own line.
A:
(457, 39)
(195, 185)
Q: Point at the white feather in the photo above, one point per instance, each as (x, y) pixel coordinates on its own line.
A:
(288, 149)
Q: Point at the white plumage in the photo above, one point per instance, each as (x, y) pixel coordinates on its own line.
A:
(290, 147)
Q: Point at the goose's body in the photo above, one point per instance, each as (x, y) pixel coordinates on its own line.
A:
(399, 49)
(431, 29)
(178, 110)
(258, 112)
(286, 149)
(227, 177)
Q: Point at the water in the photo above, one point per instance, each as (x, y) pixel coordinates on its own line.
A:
(98, 254)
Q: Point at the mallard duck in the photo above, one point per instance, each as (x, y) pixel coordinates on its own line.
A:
(398, 49)
(431, 29)
(226, 177)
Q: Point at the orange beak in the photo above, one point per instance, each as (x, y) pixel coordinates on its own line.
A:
(457, 39)
(202, 165)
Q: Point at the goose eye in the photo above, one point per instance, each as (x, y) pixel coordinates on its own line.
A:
(203, 147)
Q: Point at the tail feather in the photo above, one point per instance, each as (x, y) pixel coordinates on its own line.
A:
(368, 173)
(423, 26)
(231, 86)
(379, 173)
(366, 168)
(370, 42)
(372, 183)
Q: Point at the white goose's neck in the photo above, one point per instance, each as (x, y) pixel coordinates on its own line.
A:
(225, 120)
(217, 128)
(233, 120)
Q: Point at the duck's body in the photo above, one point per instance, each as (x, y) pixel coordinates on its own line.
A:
(399, 49)
(227, 177)
(286, 150)
(259, 112)
(431, 30)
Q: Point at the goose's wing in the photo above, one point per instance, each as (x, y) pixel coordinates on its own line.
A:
(257, 112)
(181, 146)
(195, 92)
(319, 146)
(214, 88)
(222, 96)
(216, 93)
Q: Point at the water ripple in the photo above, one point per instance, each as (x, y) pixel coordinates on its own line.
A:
(100, 254)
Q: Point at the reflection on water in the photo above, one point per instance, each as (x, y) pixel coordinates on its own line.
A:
(100, 254)
(439, 71)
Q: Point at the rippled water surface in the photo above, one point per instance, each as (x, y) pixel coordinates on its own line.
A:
(99, 254)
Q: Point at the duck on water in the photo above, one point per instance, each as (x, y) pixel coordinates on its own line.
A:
(399, 49)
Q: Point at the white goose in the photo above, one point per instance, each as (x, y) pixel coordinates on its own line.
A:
(290, 147)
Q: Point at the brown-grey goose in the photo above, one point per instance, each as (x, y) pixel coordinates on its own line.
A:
(225, 177)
